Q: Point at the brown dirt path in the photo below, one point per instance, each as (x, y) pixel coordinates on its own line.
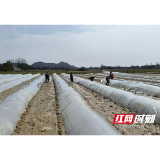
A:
(42, 115)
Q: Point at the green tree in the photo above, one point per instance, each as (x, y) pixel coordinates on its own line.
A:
(22, 64)
(2, 68)
(8, 66)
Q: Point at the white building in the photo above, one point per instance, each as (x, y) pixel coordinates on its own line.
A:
(16, 68)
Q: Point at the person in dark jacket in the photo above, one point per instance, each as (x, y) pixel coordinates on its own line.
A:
(47, 77)
(91, 78)
(107, 80)
(71, 77)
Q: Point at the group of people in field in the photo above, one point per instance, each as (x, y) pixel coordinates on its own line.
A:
(111, 76)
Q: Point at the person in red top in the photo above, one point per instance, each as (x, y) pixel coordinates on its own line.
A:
(111, 75)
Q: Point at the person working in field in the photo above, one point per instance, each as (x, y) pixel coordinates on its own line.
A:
(108, 80)
(91, 78)
(47, 77)
(71, 77)
(111, 75)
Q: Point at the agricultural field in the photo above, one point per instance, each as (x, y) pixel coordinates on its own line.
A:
(154, 71)
(29, 105)
(141, 71)
(50, 71)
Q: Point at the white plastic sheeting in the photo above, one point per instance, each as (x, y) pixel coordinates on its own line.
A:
(155, 80)
(11, 78)
(137, 80)
(78, 117)
(5, 75)
(139, 104)
(145, 81)
(16, 82)
(151, 79)
(157, 77)
(2, 77)
(149, 90)
(14, 105)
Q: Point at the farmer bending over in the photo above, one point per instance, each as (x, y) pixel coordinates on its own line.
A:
(108, 80)
(91, 78)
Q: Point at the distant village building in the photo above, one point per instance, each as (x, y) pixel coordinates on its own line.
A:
(156, 66)
(15, 67)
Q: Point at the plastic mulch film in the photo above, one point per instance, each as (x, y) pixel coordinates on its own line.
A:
(154, 81)
(136, 87)
(78, 117)
(2, 77)
(139, 104)
(14, 105)
(148, 79)
(137, 76)
(16, 82)
(11, 78)
(5, 75)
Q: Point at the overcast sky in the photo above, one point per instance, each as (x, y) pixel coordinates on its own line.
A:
(81, 45)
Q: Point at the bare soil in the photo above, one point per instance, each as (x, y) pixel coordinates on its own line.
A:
(42, 116)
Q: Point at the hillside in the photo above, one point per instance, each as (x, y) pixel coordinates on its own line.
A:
(53, 65)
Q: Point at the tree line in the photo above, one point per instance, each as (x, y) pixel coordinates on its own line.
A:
(20, 63)
(6, 66)
(147, 66)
